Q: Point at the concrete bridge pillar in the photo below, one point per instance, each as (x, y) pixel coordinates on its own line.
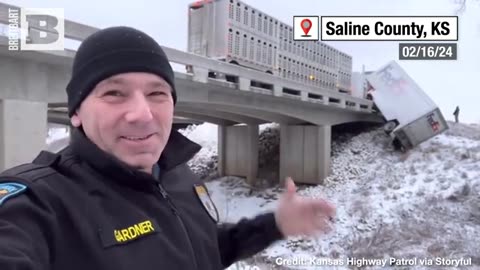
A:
(305, 153)
(23, 130)
(238, 151)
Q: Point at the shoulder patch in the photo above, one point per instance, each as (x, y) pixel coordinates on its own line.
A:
(8, 190)
(207, 201)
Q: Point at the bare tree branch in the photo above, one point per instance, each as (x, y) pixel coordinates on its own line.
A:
(461, 6)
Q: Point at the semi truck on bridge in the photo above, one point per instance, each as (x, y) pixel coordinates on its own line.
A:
(234, 32)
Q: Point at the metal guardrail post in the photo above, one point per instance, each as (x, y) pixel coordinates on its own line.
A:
(277, 90)
(244, 84)
(200, 74)
(304, 96)
(357, 106)
(326, 100)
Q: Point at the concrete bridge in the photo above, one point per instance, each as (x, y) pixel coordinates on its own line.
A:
(33, 81)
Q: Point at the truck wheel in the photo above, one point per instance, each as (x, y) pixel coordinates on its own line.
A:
(397, 145)
(389, 127)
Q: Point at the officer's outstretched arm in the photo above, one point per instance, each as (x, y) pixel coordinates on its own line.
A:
(26, 226)
(247, 237)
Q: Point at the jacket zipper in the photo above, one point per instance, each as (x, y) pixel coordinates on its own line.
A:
(174, 209)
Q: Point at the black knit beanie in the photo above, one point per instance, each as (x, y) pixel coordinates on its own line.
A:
(112, 51)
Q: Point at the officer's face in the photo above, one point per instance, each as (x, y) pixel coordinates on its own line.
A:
(130, 116)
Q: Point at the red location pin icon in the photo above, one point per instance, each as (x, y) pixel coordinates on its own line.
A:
(306, 24)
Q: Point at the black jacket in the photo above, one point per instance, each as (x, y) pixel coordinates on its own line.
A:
(83, 209)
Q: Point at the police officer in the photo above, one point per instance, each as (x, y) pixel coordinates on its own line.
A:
(121, 196)
(456, 113)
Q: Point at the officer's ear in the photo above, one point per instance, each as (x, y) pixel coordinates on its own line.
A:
(75, 120)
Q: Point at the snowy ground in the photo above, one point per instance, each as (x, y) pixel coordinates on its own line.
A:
(57, 137)
(424, 204)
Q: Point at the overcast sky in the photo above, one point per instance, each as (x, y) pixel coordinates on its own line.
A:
(449, 83)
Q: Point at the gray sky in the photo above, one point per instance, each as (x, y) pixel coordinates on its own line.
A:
(449, 83)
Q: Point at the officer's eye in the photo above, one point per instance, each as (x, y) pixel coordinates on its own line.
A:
(158, 93)
(113, 93)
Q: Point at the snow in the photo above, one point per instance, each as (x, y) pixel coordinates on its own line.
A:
(422, 204)
(389, 205)
(57, 137)
(56, 132)
(206, 136)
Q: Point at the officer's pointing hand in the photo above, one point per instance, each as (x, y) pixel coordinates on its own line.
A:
(297, 216)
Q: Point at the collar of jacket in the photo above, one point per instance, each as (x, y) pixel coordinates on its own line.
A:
(178, 150)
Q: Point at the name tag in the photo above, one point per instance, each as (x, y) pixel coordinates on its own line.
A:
(124, 234)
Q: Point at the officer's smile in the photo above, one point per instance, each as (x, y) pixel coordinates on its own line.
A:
(139, 140)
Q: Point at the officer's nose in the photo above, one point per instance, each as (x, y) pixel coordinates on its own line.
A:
(139, 109)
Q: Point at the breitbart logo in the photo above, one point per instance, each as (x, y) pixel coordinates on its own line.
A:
(134, 231)
(36, 29)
